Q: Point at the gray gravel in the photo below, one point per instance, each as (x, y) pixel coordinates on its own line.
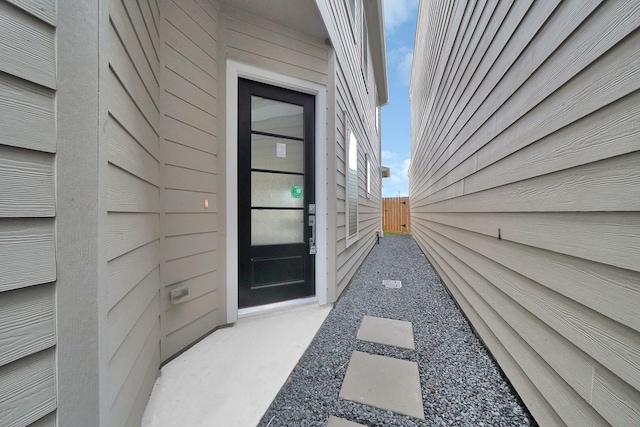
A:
(461, 383)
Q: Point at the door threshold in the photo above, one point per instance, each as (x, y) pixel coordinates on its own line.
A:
(276, 306)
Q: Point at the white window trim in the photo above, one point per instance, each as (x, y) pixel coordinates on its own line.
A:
(234, 71)
(367, 172)
(350, 240)
(352, 18)
(364, 50)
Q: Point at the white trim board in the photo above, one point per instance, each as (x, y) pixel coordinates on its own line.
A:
(234, 71)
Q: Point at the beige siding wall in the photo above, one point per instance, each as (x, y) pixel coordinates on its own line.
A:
(27, 213)
(255, 41)
(133, 204)
(355, 102)
(158, 195)
(525, 192)
(189, 172)
(161, 136)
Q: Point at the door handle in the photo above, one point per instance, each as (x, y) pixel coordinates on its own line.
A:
(312, 239)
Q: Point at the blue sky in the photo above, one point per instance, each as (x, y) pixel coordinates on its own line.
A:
(400, 27)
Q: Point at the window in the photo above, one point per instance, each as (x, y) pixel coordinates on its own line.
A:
(352, 7)
(368, 173)
(377, 117)
(352, 185)
(365, 47)
(351, 11)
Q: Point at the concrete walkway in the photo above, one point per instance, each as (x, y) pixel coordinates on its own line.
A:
(231, 377)
(394, 351)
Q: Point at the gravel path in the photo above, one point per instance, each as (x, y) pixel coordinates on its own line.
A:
(461, 384)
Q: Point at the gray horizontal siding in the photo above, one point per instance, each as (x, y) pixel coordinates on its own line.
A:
(190, 172)
(27, 114)
(46, 421)
(28, 390)
(525, 190)
(133, 208)
(43, 9)
(271, 46)
(28, 48)
(26, 183)
(27, 213)
(27, 322)
(355, 103)
(27, 252)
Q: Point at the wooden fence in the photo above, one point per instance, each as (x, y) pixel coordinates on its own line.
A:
(395, 215)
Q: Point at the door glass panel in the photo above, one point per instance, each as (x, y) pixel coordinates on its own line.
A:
(277, 154)
(276, 190)
(276, 117)
(275, 227)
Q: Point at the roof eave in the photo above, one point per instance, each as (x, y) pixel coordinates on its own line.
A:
(375, 23)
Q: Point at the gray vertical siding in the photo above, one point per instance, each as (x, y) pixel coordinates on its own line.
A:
(354, 96)
(189, 171)
(133, 204)
(525, 192)
(27, 213)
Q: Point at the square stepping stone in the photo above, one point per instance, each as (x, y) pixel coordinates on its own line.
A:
(397, 333)
(383, 382)
(341, 422)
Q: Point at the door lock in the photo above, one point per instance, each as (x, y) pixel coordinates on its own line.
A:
(312, 238)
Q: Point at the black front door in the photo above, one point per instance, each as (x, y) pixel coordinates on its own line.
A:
(276, 194)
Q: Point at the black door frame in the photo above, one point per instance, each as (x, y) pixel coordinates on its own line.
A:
(249, 255)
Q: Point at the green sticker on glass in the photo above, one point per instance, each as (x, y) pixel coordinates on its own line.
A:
(296, 191)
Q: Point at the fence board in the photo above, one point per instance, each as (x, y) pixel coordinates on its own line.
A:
(395, 216)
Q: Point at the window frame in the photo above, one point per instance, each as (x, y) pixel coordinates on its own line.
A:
(367, 174)
(364, 48)
(352, 15)
(350, 138)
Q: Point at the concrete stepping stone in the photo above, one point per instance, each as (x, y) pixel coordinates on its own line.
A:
(397, 333)
(383, 382)
(341, 422)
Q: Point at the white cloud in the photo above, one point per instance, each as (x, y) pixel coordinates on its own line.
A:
(400, 171)
(396, 12)
(388, 155)
(404, 67)
(402, 57)
(398, 182)
(404, 170)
